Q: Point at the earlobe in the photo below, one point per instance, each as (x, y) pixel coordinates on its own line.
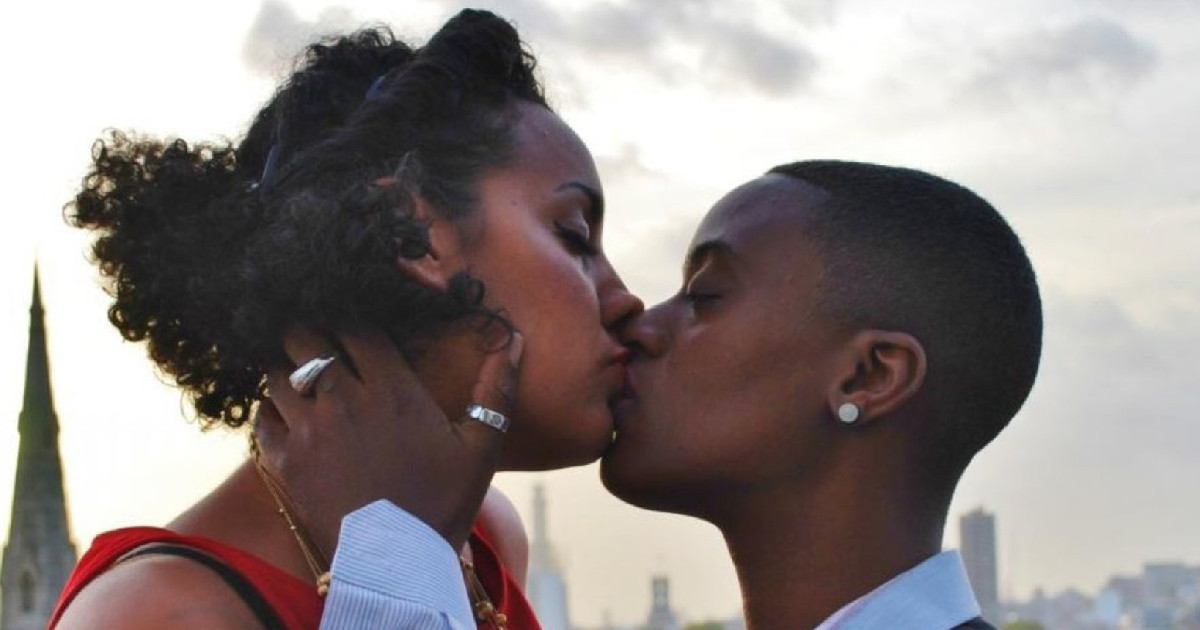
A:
(433, 269)
(426, 270)
(884, 370)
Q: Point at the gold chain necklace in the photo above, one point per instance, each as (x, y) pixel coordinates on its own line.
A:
(481, 604)
(312, 554)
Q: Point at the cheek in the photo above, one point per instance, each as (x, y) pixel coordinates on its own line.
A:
(563, 416)
(565, 348)
(730, 397)
(532, 279)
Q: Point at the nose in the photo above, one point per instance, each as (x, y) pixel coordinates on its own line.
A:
(617, 304)
(647, 333)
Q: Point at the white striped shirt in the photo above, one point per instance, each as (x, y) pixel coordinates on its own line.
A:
(391, 570)
(934, 595)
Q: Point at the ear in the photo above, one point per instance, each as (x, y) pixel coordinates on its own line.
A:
(882, 370)
(434, 269)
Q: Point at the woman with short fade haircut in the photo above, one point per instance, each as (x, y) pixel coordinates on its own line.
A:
(423, 198)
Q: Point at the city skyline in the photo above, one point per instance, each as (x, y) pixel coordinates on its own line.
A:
(1074, 117)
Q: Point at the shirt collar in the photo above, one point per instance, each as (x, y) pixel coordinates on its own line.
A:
(932, 595)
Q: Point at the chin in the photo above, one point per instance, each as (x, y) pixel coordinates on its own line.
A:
(641, 478)
(644, 487)
(531, 452)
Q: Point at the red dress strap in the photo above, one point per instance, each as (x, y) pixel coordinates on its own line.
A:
(507, 596)
(294, 600)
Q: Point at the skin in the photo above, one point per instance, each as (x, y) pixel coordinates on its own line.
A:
(730, 414)
(534, 240)
(500, 519)
(732, 417)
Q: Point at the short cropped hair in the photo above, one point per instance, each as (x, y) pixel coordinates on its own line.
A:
(908, 251)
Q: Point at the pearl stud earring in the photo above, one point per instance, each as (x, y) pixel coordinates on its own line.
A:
(848, 413)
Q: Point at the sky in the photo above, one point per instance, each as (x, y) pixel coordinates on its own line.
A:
(1076, 118)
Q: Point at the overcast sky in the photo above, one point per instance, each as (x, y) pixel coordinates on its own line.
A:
(1076, 118)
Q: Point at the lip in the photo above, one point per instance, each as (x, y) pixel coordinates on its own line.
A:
(621, 401)
(621, 355)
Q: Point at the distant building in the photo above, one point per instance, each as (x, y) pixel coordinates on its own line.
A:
(1189, 619)
(661, 616)
(1164, 596)
(39, 554)
(1169, 583)
(1107, 607)
(545, 588)
(977, 534)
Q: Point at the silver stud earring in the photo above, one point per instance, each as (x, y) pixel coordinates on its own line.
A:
(848, 412)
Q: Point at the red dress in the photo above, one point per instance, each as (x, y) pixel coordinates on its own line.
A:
(294, 600)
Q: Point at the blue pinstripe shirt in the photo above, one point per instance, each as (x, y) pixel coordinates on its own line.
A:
(391, 570)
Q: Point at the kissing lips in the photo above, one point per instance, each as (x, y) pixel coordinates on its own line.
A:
(622, 401)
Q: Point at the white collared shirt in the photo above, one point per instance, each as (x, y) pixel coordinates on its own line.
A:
(934, 595)
(391, 570)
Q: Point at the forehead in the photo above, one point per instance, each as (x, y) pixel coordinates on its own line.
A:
(772, 207)
(547, 144)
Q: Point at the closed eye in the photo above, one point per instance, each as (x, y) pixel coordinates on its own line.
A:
(697, 298)
(697, 295)
(576, 241)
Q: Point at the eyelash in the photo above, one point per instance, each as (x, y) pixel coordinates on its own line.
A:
(576, 241)
(698, 298)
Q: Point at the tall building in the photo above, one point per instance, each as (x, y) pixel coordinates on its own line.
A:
(977, 533)
(546, 588)
(661, 616)
(39, 554)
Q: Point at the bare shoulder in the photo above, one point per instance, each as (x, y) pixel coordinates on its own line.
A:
(499, 518)
(157, 592)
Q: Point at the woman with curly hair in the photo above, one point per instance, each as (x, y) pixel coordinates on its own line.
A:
(426, 199)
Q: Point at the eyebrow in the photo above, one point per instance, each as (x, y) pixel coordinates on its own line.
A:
(595, 200)
(711, 247)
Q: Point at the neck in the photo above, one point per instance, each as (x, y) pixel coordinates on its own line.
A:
(823, 548)
(241, 513)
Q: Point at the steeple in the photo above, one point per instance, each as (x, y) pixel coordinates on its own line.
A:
(661, 617)
(545, 586)
(39, 554)
(540, 538)
(38, 422)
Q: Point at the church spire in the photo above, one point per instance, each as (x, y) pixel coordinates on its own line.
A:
(38, 422)
(546, 588)
(39, 554)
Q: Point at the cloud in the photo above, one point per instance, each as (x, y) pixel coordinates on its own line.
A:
(1118, 389)
(279, 33)
(673, 40)
(625, 166)
(698, 41)
(1085, 58)
(813, 12)
(731, 51)
(1145, 6)
(755, 59)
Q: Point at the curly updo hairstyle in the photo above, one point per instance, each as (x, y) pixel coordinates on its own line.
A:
(210, 251)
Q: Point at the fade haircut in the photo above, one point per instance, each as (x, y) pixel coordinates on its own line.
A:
(908, 251)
